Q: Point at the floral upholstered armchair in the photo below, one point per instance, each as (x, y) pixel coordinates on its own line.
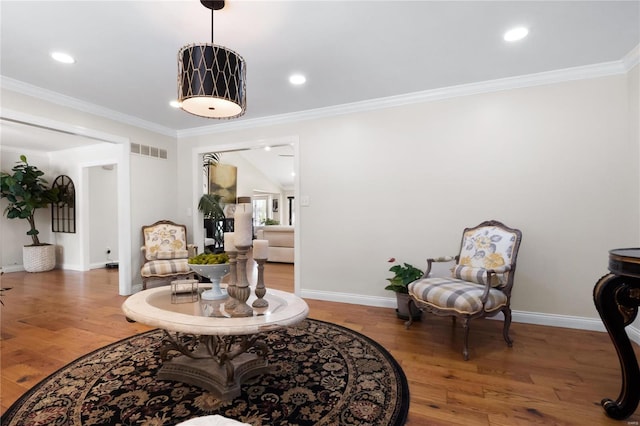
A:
(165, 252)
(481, 279)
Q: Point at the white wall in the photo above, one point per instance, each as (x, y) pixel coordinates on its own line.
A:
(103, 215)
(556, 161)
(634, 136)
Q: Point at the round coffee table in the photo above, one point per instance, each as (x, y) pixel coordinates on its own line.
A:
(212, 351)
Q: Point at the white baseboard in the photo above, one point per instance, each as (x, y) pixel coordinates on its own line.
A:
(551, 320)
(354, 299)
(13, 268)
(70, 267)
(98, 265)
(66, 266)
(20, 268)
(555, 320)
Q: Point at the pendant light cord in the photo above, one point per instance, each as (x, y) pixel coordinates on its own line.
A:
(212, 26)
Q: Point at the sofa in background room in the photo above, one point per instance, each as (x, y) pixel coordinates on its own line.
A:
(280, 242)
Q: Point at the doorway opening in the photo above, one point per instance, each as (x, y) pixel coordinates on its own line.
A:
(263, 197)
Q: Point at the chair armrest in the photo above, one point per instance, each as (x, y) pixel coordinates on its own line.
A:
(489, 281)
(192, 249)
(443, 259)
(500, 269)
(438, 259)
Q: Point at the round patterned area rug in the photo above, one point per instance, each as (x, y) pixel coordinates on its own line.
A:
(322, 374)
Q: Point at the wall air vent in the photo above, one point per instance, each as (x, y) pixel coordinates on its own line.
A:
(148, 151)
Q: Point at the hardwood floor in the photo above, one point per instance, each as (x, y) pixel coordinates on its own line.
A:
(551, 376)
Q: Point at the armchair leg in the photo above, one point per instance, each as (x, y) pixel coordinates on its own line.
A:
(465, 349)
(507, 323)
(410, 321)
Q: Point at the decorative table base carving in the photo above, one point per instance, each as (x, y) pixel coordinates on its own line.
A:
(617, 297)
(218, 364)
(215, 353)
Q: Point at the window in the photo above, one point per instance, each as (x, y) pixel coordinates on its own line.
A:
(63, 213)
(260, 213)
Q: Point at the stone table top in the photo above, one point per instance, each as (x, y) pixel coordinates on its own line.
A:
(153, 307)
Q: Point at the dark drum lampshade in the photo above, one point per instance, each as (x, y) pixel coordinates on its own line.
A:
(211, 81)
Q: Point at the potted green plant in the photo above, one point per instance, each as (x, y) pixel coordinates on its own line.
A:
(212, 210)
(210, 206)
(26, 191)
(404, 275)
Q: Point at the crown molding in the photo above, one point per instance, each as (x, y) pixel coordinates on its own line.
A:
(632, 58)
(77, 104)
(530, 80)
(59, 126)
(604, 69)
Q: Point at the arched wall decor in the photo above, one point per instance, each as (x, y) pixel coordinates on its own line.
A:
(63, 213)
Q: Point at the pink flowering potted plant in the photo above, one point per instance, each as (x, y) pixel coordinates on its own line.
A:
(404, 275)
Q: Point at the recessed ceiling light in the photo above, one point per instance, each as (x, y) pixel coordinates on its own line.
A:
(175, 104)
(63, 57)
(297, 79)
(516, 34)
(267, 148)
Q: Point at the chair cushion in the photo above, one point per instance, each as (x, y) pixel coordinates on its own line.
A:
(172, 254)
(487, 247)
(162, 268)
(456, 295)
(163, 237)
(476, 275)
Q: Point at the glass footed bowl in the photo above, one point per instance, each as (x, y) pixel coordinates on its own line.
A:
(214, 272)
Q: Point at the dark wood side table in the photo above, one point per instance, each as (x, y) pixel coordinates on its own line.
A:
(617, 296)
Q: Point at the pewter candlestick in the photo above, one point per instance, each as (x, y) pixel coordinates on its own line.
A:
(232, 302)
(260, 288)
(242, 286)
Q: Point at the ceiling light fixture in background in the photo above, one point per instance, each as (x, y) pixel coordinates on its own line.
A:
(516, 34)
(297, 79)
(63, 57)
(211, 79)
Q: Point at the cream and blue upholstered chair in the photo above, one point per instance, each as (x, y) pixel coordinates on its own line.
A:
(481, 279)
(165, 252)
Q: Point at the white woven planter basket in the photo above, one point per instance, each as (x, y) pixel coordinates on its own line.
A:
(39, 258)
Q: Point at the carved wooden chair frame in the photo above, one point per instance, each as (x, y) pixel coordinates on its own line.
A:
(491, 286)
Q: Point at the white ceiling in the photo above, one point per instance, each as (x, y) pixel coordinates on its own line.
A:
(350, 51)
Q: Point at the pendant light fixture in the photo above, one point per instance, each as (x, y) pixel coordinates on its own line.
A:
(211, 78)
